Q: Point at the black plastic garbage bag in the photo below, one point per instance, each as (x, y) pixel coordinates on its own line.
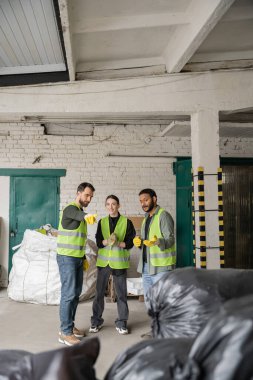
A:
(9, 362)
(222, 351)
(224, 348)
(69, 363)
(183, 300)
(150, 360)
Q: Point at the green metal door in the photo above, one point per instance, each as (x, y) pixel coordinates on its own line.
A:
(182, 169)
(34, 201)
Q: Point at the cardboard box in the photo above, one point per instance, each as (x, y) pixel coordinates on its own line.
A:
(137, 222)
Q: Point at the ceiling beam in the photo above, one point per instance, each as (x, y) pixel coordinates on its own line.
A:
(156, 96)
(226, 129)
(186, 40)
(172, 125)
(105, 24)
(121, 73)
(218, 65)
(119, 64)
(222, 56)
(67, 36)
(238, 14)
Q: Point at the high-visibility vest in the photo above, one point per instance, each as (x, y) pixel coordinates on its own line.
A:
(115, 257)
(159, 258)
(72, 242)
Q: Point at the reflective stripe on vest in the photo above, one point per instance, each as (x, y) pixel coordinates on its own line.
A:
(115, 257)
(72, 242)
(159, 258)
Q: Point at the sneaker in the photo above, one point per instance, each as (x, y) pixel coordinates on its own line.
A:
(78, 333)
(122, 330)
(95, 329)
(69, 340)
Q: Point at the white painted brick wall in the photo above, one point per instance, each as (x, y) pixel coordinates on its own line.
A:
(84, 158)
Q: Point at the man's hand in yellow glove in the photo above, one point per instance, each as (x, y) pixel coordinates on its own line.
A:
(137, 241)
(151, 242)
(91, 218)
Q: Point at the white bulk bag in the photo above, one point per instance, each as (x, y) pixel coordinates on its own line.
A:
(34, 276)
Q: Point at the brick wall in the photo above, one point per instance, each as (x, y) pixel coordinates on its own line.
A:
(85, 159)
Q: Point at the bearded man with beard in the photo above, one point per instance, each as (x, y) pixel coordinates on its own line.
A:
(71, 241)
(157, 241)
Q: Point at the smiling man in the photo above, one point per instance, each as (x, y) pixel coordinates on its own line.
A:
(71, 241)
(157, 241)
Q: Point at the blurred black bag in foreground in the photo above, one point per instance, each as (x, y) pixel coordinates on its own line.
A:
(222, 351)
(68, 363)
(150, 360)
(183, 300)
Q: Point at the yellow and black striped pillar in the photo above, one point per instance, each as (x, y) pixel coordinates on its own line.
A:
(193, 222)
(202, 218)
(221, 219)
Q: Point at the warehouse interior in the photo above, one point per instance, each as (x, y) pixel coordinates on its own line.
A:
(127, 95)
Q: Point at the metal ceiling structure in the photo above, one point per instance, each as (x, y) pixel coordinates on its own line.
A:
(44, 41)
(29, 35)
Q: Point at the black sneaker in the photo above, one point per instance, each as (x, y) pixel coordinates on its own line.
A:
(95, 329)
(122, 330)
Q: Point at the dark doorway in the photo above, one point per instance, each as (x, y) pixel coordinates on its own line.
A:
(238, 215)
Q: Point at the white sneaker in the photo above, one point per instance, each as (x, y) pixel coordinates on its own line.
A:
(122, 330)
(95, 329)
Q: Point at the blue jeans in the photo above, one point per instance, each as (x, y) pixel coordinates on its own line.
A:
(149, 280)
(71, 275)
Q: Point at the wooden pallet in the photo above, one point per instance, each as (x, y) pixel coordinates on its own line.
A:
(111, 293)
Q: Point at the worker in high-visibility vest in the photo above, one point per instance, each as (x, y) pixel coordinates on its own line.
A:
(114, 239)
(157, 241)
(71, 241)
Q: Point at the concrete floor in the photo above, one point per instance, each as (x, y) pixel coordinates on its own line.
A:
(35, 328)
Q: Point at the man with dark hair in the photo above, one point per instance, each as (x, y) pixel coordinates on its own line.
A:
(157, 241)
(71, 241)
(114, 239)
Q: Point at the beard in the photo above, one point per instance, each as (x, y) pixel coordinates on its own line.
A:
(83, 203)
(152, 205)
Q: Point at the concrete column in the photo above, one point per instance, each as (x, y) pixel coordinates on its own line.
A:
(4, 230)
(205, 154)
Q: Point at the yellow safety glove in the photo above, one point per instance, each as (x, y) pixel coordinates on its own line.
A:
(151, 242)
(85, 265)
(90, 218)
(137, 241)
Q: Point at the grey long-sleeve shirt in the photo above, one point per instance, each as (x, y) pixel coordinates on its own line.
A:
(167, 241)
(72, 217)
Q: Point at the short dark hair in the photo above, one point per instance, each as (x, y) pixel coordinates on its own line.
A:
(112, 196)
(151, 192)
(83, 186)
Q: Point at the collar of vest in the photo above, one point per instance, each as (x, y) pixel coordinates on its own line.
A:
(156, 212)
(74, 204)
